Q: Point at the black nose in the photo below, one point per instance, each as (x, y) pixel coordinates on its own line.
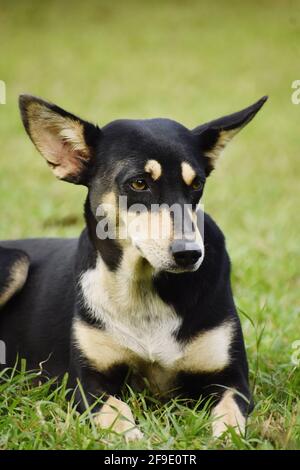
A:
(185, 253)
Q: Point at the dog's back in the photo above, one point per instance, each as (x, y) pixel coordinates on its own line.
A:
(49, 287)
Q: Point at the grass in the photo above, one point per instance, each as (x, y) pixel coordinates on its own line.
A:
(192, 61)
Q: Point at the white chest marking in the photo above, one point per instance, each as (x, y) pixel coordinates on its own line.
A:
(140, 327)
(133, 314)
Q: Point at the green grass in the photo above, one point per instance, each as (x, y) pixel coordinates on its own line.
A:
(191, 61)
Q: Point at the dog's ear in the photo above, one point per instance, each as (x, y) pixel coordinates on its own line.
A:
(65, 141)
(214, 136)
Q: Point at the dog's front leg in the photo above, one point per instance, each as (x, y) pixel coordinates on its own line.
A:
(114, 414)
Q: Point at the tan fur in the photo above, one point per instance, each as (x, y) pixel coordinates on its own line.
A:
(188, 173)
(227, 413)
(224, 138)
(209, 351)
(2, 92)
(160, 360)
(154, 168)
(109, 199)
(109, 202)
(18, 276)
(151, 233)
(155, 225)
(99, 347)
(117, 416)
(59, 139)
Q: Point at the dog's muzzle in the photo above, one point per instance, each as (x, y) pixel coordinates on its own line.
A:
(186, 253)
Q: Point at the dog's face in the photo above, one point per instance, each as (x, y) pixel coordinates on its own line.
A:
(145, 177)
(149, 179)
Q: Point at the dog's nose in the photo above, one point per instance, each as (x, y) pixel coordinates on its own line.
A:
(185, 253)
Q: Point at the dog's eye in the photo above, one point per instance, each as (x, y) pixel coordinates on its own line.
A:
(197, 184)
(139, 185)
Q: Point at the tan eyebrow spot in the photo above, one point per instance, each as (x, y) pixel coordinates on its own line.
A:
(154, 168)
(188, 173)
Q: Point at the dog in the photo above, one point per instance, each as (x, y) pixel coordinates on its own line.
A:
(130, 308)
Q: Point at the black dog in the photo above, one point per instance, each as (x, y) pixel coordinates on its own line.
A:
(119, 303)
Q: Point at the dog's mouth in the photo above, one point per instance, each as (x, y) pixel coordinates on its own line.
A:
(175, 269)
(189, 269)
(168, 264)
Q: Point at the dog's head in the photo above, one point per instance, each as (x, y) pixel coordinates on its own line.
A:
(145, 178)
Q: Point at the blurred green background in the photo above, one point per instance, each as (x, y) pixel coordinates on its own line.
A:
(191, 61)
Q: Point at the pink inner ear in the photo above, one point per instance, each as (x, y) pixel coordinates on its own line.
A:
(60, 153)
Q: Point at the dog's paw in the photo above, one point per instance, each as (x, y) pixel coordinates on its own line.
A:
(220, 429)
(133, 435)
(227, 414)
(117, 416)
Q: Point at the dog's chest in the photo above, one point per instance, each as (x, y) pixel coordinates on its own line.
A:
(152, 340)
(139, 330)
(134, 316)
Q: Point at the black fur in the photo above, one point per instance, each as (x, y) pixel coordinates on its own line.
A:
(37, 323)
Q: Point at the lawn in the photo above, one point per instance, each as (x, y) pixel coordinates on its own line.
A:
(191, 61)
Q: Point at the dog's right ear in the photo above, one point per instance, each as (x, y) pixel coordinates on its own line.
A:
(65, 141)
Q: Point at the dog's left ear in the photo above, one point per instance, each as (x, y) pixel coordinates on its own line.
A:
(65, 141)
(214, 136)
